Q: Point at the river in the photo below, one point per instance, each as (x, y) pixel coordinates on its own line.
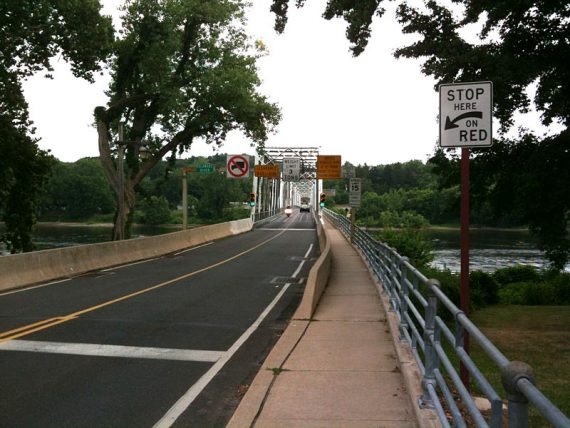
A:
(57, 235)
(490, 249)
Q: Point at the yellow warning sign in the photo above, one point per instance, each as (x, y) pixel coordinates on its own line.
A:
(328, 167)
(268, 171)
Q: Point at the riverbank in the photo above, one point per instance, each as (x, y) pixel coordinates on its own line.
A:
(83, 224)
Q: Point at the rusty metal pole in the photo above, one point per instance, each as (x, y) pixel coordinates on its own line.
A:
(184, 200)
(465, 253)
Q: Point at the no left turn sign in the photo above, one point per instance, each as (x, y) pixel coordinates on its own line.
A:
(237, 166)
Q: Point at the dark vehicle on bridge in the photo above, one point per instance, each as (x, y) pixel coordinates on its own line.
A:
(305, 201)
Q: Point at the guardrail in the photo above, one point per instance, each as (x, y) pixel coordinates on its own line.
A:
(411, 294)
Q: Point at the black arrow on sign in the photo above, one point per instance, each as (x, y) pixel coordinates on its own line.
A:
(450, 124)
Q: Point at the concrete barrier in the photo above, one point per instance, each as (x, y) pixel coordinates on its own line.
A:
(318, 277)
(18, 270)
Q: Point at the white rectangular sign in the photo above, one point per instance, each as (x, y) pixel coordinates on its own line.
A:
(291, 169)
(354, 192)
(466, 114)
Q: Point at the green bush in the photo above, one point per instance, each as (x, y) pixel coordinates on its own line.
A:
(235, 213)
(520, 273)
(561, 284)
(449, 282)
(410, 243)
(155, 210)
(484, 289)
(528, 293)
(552, 289)
(413, 220)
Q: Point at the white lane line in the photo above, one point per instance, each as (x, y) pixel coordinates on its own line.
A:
(184, 402)
(302, 262)
(21, 290)
(194, 248)
(309, 251)
(95, 350)
(128, 264)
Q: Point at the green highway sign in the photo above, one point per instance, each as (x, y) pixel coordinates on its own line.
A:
(207, 167)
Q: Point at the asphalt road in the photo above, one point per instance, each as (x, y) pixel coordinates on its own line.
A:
(172, 341)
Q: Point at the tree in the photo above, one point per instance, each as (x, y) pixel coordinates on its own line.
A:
(530, 51)
(33, 32)
(182, 70)
(522, 45)
(155, 210)
(76, 191)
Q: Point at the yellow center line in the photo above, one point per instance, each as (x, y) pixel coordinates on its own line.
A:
(43, 325)
(16, 330)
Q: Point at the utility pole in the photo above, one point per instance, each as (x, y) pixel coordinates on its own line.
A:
(121, 176)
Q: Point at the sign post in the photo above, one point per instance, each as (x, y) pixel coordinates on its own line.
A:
(354, 198)
(465, 120)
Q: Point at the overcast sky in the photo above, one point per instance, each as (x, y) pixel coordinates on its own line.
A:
(372, 109)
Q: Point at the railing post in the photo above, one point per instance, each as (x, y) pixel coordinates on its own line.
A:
(518, 404)
(431, 361)
(393, 279)
(403, 298)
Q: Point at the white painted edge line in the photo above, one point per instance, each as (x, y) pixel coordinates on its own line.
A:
(116, 351)
(308, 251)
(184, 402)
(302, 262)
(128, 264)
(21, 290)
(194, 248)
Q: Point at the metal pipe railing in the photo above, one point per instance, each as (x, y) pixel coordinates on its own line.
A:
(409, 294)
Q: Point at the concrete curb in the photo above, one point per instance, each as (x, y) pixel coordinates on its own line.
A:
(24, 269)
(318, 277)
(253, 401)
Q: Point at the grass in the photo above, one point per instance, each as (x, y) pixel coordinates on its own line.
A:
(537, 335)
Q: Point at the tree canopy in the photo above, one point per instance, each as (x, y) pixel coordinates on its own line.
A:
(33, 32)
(181, 70)
(523, 48)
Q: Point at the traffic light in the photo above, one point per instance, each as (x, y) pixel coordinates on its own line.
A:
(252, 199)
(323, 200)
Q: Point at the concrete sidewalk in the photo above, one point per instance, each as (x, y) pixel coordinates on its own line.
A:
(339, 369)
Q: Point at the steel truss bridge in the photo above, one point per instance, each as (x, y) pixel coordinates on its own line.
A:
(274, 194)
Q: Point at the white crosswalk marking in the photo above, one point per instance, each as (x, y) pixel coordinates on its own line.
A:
(115, 351)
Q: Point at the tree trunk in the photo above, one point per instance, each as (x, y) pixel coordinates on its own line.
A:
(120, 179)
(124, 219)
